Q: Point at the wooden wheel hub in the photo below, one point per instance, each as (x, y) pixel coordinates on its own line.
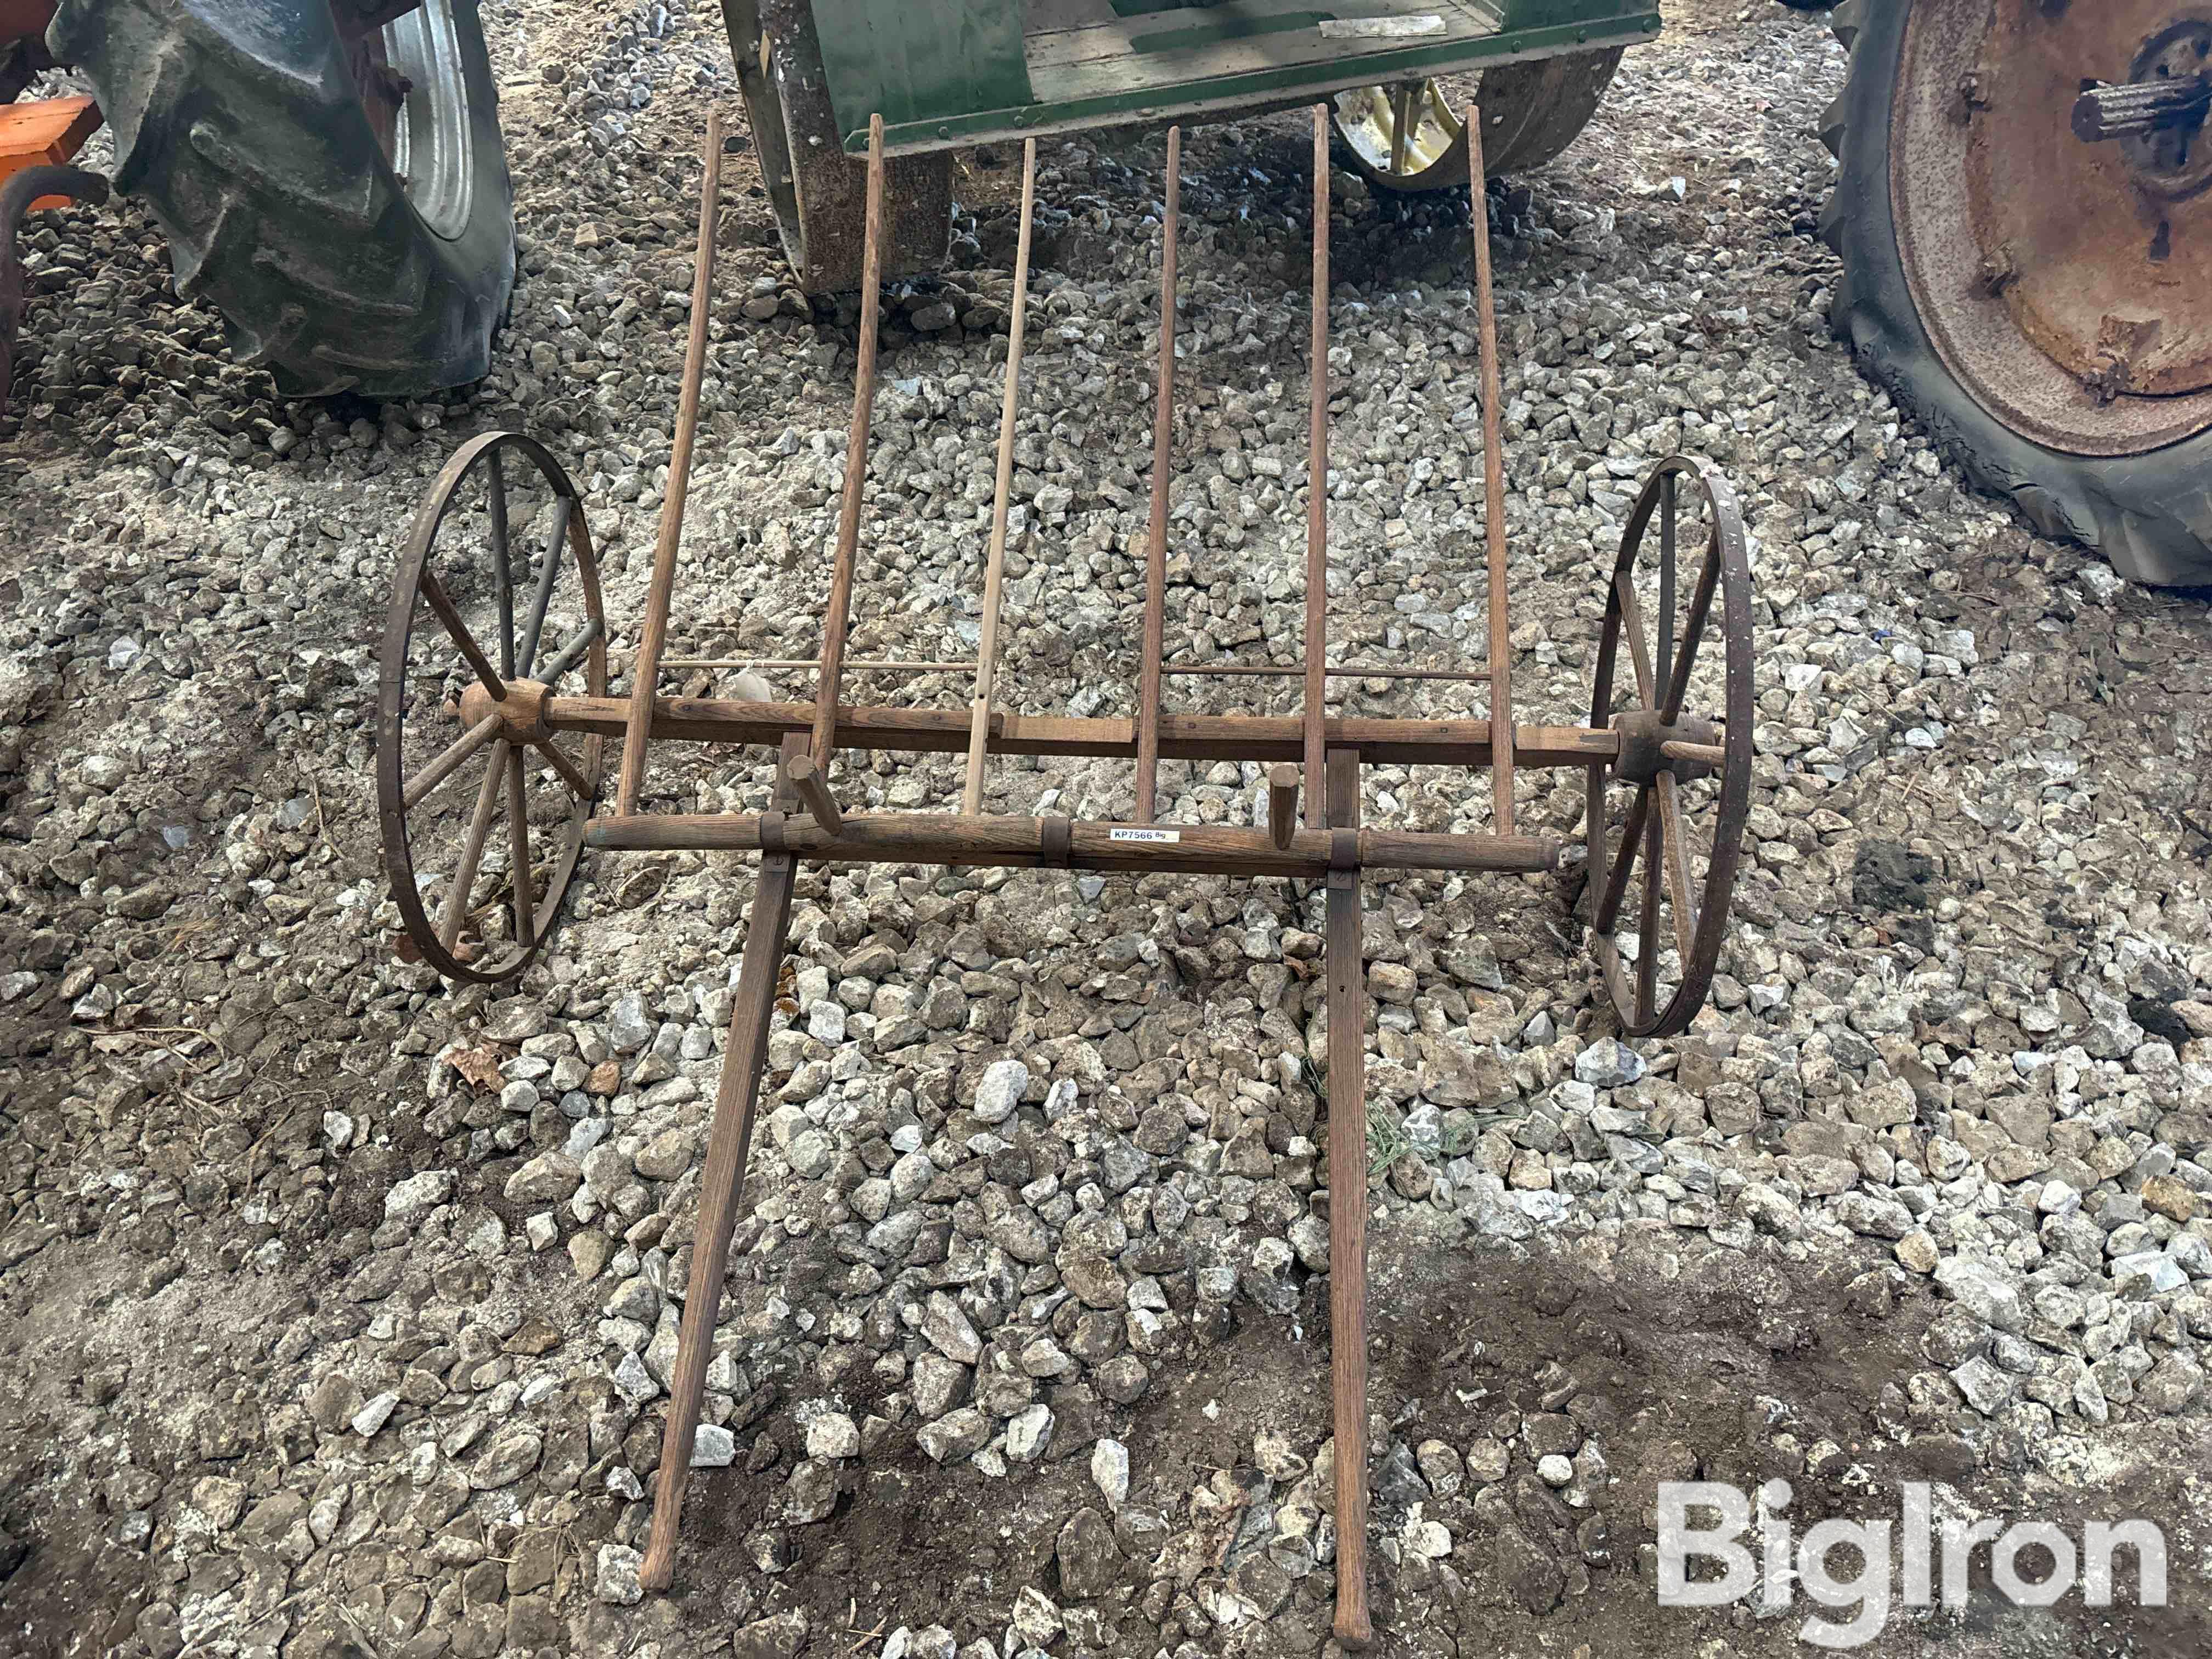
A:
(1645, 735)
(521, 711)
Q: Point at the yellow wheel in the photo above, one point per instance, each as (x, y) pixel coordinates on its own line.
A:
(1402, 136)
(1407, 136)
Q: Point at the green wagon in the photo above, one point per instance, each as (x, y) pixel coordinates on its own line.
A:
(945, 74)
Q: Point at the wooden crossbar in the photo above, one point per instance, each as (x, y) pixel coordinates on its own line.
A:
(1182, 737)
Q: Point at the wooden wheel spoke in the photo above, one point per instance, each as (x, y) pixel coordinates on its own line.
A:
(1616, 880)
(1665, 652)
(457, 630)
(571, 654)
(1693, 629)
(502, 574)
(1639, 643)
(1674, 835)
(464, 872)
(570, 773)
(1647, 925)
(451, 760)
(518, 831)
(542, 601)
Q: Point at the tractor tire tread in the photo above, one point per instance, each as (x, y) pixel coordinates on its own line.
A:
(2149, 514)
(250, 148)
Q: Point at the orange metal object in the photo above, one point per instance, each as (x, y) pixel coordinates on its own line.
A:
(51, 130)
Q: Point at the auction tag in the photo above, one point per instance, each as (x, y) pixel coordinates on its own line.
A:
(1144, 834)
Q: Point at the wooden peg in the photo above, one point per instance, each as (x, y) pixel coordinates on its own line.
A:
(1282, 803)
(813, 789)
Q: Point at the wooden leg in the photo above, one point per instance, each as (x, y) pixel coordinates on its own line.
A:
(1348, 1213)
(722, 1200)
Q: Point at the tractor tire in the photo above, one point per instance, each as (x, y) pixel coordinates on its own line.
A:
(245, 131)
(819, 193)
(2144, 502)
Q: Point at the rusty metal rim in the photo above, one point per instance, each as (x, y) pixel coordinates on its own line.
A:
(391, 708)
(1973, 330)
(1726, 545)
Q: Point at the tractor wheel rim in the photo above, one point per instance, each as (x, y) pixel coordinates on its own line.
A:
(1371, 120)
(433, 143)
(2066, 284)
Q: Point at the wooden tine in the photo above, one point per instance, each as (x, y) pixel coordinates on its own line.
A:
(1282, 803)
(856, 462)
(645, 672)
(721, 1192)
(806, 778)
(1348, 1210)
(986, 655)
(1316, 629)
(1155, 539)
(1493, 483)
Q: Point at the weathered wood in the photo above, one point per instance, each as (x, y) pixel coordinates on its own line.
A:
(721, 1197)
(645, 671)
(1315, 639)
(1002, 492)
(1282, 803)
(1348, 1213)
(1493, 475)
(788, 664)
(523, 894)
(994, 840)
(806, 778)
(1335, 671)
(464, 879)
(450, 760)
(838, 614)
(1156, 534)
(1701, 754)
(1262, 738)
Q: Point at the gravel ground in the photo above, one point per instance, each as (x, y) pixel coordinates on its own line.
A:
(341, 1305)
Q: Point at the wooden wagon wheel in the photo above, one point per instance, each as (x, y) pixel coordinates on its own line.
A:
(473, 646)
(1679, 789)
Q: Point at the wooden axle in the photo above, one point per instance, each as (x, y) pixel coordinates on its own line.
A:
(1025, 844)
(1263, 738)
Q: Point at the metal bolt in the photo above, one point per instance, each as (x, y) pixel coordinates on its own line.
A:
(2000, 271)
(1974, 90)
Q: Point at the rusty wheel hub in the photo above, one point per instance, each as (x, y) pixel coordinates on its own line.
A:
(2050, 168)
(1644, 736)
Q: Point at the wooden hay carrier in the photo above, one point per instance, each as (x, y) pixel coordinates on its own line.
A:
(535, 705)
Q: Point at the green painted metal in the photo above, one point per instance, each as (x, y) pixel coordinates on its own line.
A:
(953, 72)
(915, 61)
